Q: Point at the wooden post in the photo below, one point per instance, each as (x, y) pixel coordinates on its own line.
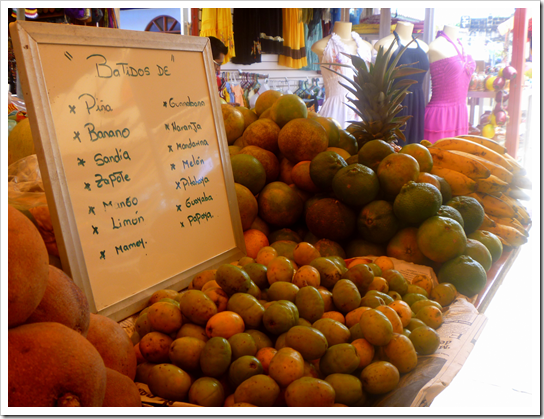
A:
(516, 85)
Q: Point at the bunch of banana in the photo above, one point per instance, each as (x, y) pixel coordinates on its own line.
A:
(481, 168)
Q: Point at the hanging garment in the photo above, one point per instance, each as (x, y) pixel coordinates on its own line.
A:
(334, 105)
(294, 51)
(271, 30)
(311, 38)
(446, 114)
(414, 101)
(238, 94)
(218, 23)
(245, 23)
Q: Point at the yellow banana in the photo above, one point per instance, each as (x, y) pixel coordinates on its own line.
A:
(460, 184)
(510, 234)
(470, 168)
(512, 222)
(474, 148)
(493, 205)
(520, 212)
(489, 143)
(518, 168)
(495, 169)
(517, 193)
(487, 222)
(492, 186)
(522, 182)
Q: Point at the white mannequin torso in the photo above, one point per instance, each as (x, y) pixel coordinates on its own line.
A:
(441, 48)
(404, 30)
(343, 30)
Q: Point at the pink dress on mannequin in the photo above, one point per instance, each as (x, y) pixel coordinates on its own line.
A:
(446, 114)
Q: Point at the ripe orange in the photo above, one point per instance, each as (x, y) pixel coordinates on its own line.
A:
(234, 122)
(300, 175)
(287, 108)
(255, 240)
(377, 222)
(302, 139)
(279, 205)
(441, 239)
(332, 130)
(263, 133)
(404, 246)
(394, 171)
(373, 152)
(421, 154)
(323, 167)
(265, 100)
(249, 116)
(248, 171)
(268, 159)
(247, 205)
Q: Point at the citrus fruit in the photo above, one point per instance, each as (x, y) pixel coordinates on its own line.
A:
(395, 170)
(348, 143)
(302, 139)
(287, 108)
(488, 131)
(265, 100)
(490, 240)
(323, 167)
(247, 205)
(425, 177)
(254, 240)
(441, 238)
(404, 246)
(279, 205)
(471, 211)
(467, 275)
(416, 202)
(355, 185)
(421, 154)
(234, 122)
(248, 171)
(249, 116)
(268, 159)
(373, 152)
(263, 133)
(234, 149)
(20, 142)
(377, 222)
(343, 153)
(301, 177)
(332, 130)
(477, 251)
(425, 340)
(286, 169)
(266, 114)
(330, 219)
(445, 188)
(450, 212)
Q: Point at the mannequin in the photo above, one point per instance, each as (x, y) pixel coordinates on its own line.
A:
(329, 50)
(404, 31)
(342, 29)
(414, 56)
(446, 114)
(440, 48)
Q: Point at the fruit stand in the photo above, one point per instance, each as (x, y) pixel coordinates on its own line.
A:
(313, 266)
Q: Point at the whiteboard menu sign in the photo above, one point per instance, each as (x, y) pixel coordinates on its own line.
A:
(130, 139)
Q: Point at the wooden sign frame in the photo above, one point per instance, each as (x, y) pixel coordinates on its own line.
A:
(28, 39)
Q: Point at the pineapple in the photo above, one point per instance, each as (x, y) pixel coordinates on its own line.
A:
(378, 98)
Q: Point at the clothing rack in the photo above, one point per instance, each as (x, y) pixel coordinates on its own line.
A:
(261, 76)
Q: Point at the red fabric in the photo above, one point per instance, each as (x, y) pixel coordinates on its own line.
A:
(195, 31)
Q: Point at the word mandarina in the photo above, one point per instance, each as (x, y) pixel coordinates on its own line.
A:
(188, 144)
